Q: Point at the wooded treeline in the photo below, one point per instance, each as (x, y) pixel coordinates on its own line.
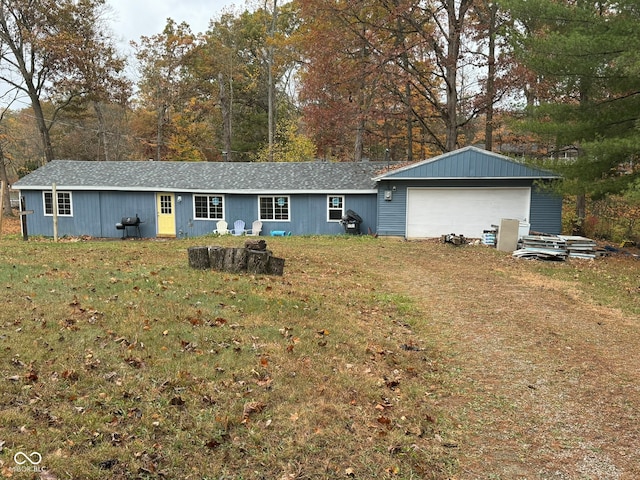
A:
(334, 79)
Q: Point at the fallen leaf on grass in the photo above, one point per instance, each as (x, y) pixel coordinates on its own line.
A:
(250, 408)
(384, 420)
(134, 362)
(71, 375)
(392, 470)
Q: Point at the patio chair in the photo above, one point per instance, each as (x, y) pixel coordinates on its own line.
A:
(238, 228)
(221, 228)
(256, 228)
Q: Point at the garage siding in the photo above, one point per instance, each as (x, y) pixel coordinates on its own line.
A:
(391, 214)
(546, 212)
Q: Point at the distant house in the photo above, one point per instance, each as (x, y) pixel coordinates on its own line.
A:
(461, 192)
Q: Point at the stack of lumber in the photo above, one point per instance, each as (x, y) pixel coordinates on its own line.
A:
(580, 247)
(552, 247)
(542, 247)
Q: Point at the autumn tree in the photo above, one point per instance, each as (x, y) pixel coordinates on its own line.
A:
(419, 60)
(341, 78)
(57, 51)
(163, 63)
(241, 59)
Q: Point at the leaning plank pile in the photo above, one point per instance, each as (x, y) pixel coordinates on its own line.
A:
(253, 258)
(556, 247)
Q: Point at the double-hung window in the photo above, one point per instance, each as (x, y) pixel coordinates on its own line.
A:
(64, 204)
(208, 207)
(335, 208)
(274, 208)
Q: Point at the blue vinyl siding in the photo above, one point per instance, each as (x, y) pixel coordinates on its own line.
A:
(96, 214)
(546, 212)
(392, 217)
(468, 163)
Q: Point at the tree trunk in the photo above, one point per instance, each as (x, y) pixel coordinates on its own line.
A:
(225, 107)
(162, 111)
(102, 132)
(6, 201)
(271, 86)
(491, 75)
(42, 128)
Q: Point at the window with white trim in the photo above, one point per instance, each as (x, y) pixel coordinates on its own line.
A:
(64, 203)
(274, 208)
(335, 207)
(208, 207)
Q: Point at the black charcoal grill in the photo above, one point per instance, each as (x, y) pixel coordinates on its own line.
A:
(129, 222)
(351, 222)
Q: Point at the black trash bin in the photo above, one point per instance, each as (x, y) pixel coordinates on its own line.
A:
(351, 222)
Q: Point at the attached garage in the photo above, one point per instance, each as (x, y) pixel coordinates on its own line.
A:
(432, 212)
(465, 192)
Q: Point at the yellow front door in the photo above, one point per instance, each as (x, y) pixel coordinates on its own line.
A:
(166, 215)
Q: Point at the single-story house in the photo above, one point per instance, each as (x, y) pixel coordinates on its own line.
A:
(462, 192)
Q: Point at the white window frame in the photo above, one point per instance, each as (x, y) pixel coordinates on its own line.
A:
(330, 208)
(209, 197)
(274, 199)
(60, 204)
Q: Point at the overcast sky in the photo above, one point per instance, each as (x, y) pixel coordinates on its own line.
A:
(134, 18)
(131, 19)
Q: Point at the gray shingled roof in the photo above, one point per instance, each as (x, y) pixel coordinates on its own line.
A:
(222, 177)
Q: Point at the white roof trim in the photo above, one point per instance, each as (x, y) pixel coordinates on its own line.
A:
(394, 179)
(85, 188)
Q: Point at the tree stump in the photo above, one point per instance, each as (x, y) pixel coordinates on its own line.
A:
(257, 261)
(199, 257)
(216, 257)
(275, 266)
(235, 260)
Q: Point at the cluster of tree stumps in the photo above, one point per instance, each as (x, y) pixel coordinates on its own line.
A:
(253, 258)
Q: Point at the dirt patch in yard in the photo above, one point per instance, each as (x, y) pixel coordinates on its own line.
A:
(545, 382)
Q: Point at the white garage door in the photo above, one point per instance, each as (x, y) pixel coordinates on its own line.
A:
(432, 212)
